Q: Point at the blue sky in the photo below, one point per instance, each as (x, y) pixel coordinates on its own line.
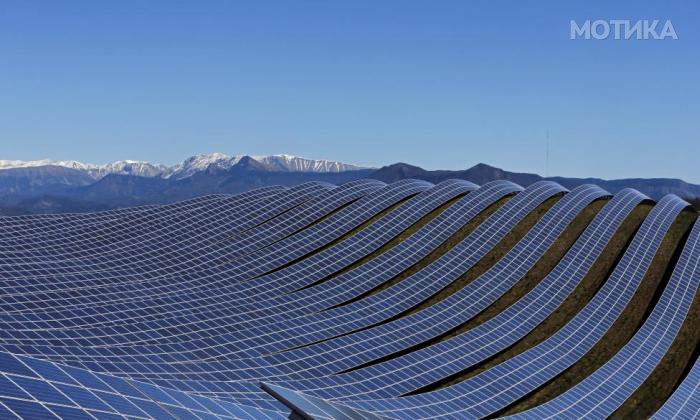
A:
(438, 84)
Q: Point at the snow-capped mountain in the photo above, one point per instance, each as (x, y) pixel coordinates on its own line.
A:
(122, 167)
(10, 164)
(188, 167)
(194, 164)
(286, 163)
(298, 164)
(128, 167)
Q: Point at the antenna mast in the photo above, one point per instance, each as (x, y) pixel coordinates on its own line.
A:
(546, 167)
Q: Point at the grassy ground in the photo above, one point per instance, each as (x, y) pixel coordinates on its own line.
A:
(570, 307)
(623, 328)
(670, 371)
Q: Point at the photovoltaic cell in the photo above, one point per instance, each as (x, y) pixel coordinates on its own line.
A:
(684, 403)
(601, 393)
(503, 384)
(423, 367)
(181, 310)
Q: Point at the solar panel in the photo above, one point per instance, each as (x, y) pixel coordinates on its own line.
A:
(424, 206)
(400, 297)
(51, 390)
(499, 386)
(352, 350)
(79, 233)
(107, 283)
(422, 367)
(326, 294)
(604, 391)
(344, 196)
(116, 249)
(684, 403)
(223, 216)
(504, 219)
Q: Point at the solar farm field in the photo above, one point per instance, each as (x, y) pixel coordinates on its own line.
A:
(364, 300)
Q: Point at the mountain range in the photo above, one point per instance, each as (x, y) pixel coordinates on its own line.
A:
(186, 168)
(47, 186)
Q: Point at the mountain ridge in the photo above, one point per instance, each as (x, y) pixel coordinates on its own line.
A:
(482, 173)
(189, 166)
(51, 188)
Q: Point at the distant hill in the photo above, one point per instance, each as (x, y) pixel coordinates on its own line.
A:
(55, 189)
(32, 181)
(481, 173)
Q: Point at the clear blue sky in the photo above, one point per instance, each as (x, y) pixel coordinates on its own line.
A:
(439, 84)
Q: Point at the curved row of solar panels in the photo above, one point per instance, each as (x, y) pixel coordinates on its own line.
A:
(365, 300)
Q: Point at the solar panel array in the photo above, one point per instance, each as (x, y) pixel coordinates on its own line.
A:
(364, 300)
(606, 389)
(684, 402)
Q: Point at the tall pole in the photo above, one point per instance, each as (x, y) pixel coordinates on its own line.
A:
(546, 167)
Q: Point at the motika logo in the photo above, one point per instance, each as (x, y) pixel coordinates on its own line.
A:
(622, 29)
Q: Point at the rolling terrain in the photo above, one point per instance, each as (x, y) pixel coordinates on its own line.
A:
(411, 298)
